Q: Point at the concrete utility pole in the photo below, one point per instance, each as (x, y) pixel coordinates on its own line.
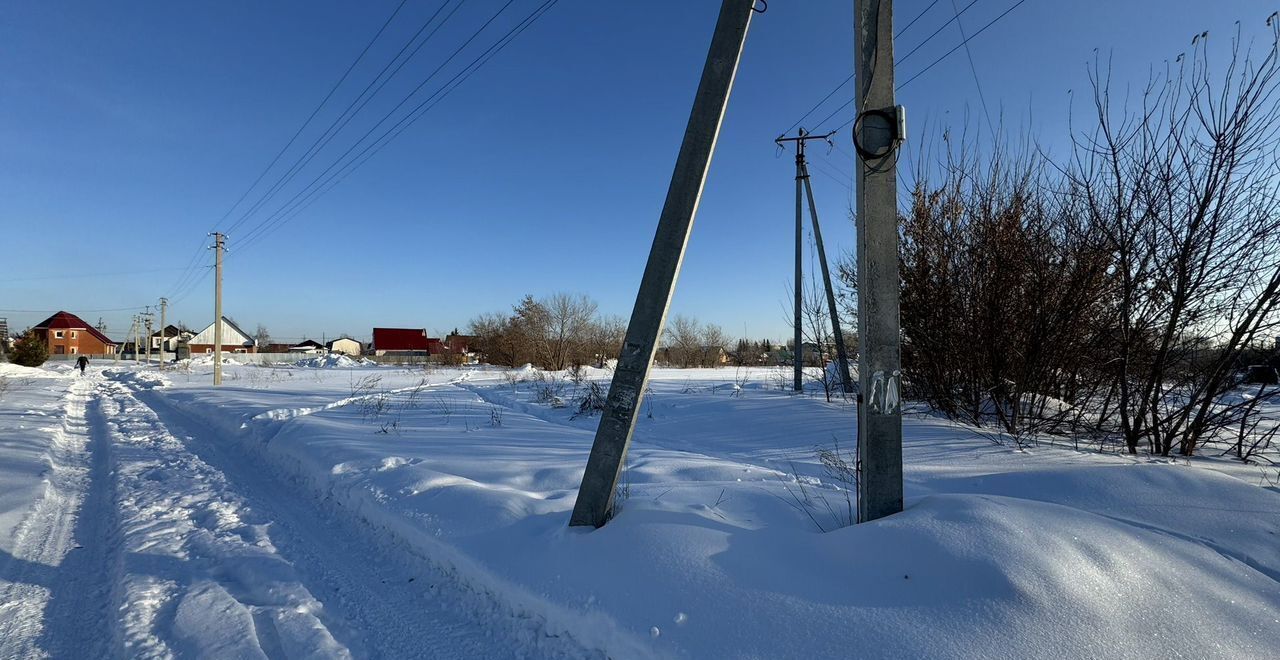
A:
(219, 246)
(148, 322)
(164, 302)
(797, 351)
(133, 334)
(802, 175)
(608, 453)
(877, 132)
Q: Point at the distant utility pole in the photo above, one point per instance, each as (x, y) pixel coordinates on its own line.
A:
(133, 334)
(878, 130)
(802, 176)
(164, 302)
(594, 505)
(219, 246)
(148, 323)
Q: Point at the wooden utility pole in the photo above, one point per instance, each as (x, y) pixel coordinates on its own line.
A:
(802, 175)
(877, 132)
(164, 302)
(219, 246)
(594, 505)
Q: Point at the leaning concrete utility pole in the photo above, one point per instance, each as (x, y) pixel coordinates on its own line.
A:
(842, 355)
(608, 453)
(219, 245)
(877, 132)
(802, 175)
(164, 302)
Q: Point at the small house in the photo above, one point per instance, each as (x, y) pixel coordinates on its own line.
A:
(345, 346)
(234, 340)
(308, 346)
(401, 341)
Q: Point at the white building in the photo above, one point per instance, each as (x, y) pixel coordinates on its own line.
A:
(346, 346)
(234, 340)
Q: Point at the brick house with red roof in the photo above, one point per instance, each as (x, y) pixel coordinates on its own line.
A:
(67, 334)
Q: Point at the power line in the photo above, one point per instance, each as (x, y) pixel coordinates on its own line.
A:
(86, 275)
(974, 70)
(935, 62)
(305, 190)
(961, 44)
(817, 105)
(913, 21)
(904, 58)
(846, 81)
(299, 201)
(81, 311)
(344, 118)
(314, 112)
(191, 268)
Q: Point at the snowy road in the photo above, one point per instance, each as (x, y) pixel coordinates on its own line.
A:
(152, 539)
(54, 590)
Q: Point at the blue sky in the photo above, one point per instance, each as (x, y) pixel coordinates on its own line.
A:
(127, 131)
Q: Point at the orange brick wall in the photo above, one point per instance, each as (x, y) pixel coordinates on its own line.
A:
(84, 343)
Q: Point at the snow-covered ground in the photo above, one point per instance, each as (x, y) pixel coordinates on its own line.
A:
(335, 510)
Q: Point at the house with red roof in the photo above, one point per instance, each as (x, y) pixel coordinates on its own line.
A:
(67, 334)
(402, 341)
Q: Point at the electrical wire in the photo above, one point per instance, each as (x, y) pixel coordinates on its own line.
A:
(974, 70)
(929, 38)
(88, 275)
(913, 21)
(370, 131)
(314, 112)
(191, 268)
(961, 44)
(846, 81)
(286, 212)
(362, 99)
(943, 57)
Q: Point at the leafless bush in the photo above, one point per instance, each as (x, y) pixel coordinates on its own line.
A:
(591, 402)
(1113, 294)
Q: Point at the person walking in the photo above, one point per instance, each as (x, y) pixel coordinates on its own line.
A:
(81, 363)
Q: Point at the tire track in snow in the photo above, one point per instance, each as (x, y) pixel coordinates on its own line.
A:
(201, 576)
(388, 603)
(55, 587)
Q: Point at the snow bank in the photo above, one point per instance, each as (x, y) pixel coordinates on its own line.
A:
(714, 551)
(142, 379)
(335, 361)
(207, 359)
(11, 370)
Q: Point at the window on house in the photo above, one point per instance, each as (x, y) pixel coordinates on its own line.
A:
(74, 334)
(57, 334)
(208, 350)
(59, 349)
(73, 350)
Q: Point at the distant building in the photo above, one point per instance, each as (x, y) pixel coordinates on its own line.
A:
(172, 335)
(402, 341)
(67, 334)
(234, 340)
(345, 346)
(309, 346)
